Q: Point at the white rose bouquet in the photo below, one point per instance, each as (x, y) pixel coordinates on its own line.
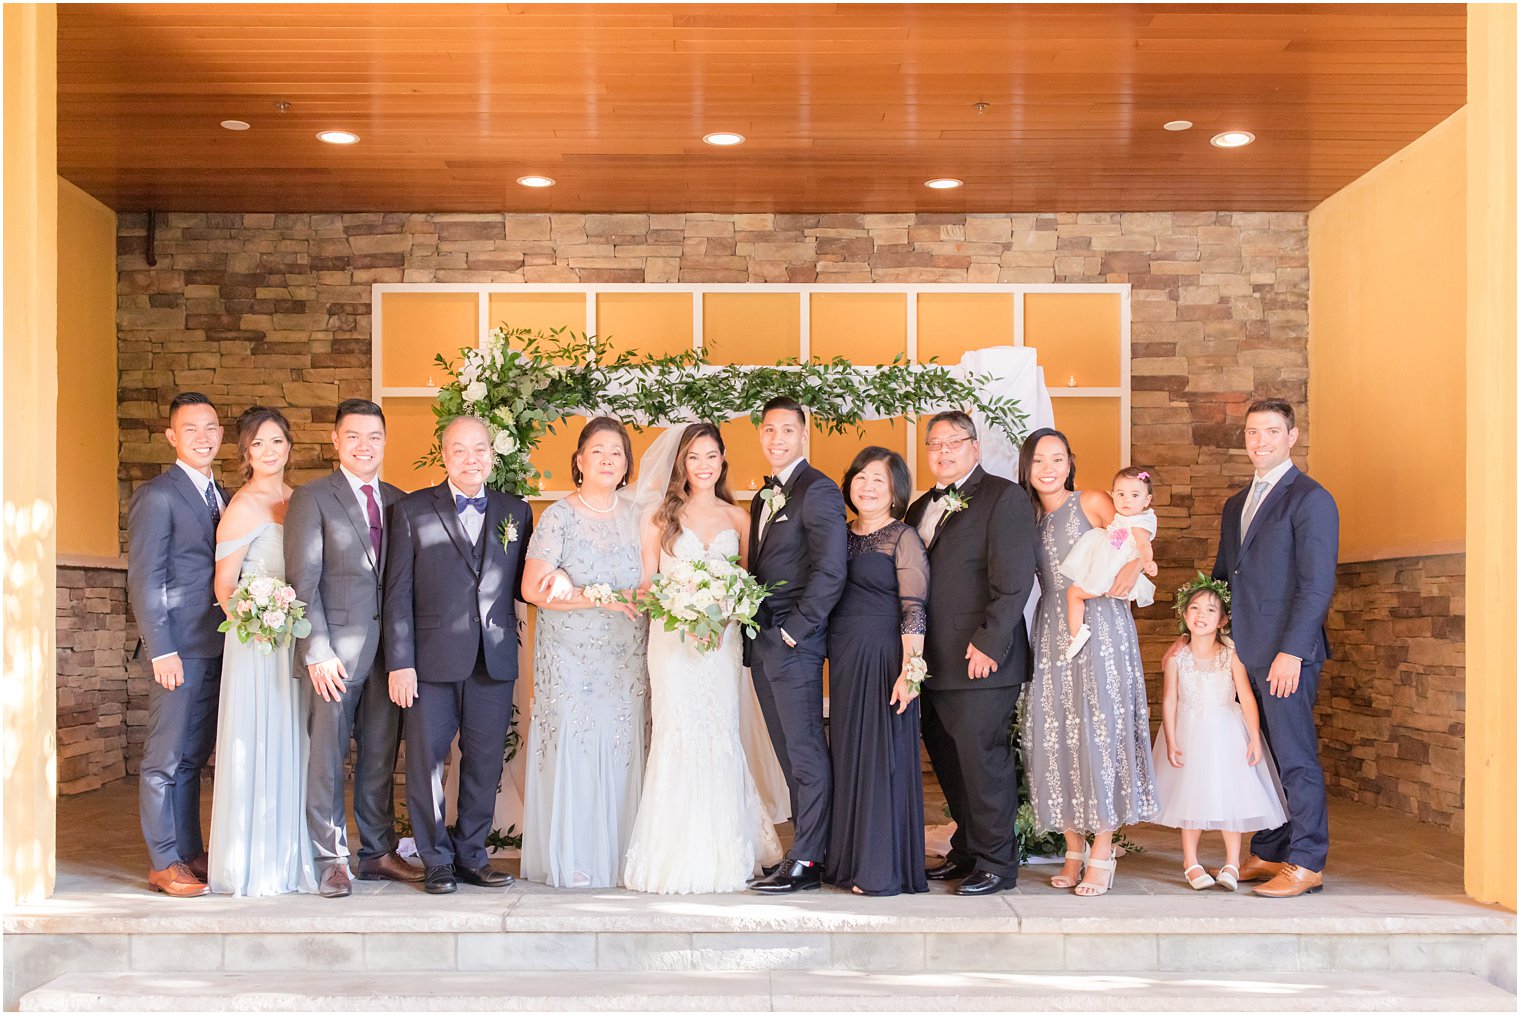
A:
(699, 598)
(264, 611)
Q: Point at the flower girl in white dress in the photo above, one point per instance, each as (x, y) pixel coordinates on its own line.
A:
(1212, 770)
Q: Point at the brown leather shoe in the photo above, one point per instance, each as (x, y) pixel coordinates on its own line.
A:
(177, 881)
(1257, 869)
(200, 865)
(334, 883)
(1291, 881)
(389, 867)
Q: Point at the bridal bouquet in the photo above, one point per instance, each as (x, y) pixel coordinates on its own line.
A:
(266, 612)
(699, 598)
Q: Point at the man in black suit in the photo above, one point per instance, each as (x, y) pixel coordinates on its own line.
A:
(796, 536)
(171, 539)
(980, 533)
(451, 584)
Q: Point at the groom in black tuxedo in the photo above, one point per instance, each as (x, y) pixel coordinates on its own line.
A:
(980, 533)
(796, 536)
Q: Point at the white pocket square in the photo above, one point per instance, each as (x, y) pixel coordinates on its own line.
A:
(782, 518)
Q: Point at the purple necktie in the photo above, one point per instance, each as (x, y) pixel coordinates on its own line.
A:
(373, 510)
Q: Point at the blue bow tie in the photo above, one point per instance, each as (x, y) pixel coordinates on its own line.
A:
(461, 502)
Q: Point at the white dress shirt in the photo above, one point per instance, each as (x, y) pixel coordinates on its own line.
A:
(1250, 510)
(936, 510)
(357, 485)
(470, 518)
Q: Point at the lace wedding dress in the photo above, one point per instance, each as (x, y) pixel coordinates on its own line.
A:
(700, 826)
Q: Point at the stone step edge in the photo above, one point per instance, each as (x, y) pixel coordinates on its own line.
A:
(778, 990)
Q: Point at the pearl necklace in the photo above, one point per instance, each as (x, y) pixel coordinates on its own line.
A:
(592, 507)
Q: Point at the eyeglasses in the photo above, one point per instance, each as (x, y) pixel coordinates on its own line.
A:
(953, 444)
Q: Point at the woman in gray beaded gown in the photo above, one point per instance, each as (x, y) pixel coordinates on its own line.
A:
(585, 762)
(1086, 729)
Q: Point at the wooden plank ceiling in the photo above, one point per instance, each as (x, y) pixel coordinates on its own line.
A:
(846, 107)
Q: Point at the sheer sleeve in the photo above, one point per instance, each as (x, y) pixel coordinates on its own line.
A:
(548, 540)
(912, 580)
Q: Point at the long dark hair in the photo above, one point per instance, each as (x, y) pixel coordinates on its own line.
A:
(248, 425)
(668, 515)
(1026, 463)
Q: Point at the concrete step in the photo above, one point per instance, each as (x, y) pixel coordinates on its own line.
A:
(792, 990)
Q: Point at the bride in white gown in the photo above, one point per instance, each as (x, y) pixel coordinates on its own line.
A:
(700, 825)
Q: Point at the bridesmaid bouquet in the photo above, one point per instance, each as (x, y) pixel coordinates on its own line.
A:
(264, 611)
(699, 598)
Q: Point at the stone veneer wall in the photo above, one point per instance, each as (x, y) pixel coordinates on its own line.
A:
(102, 696)
(275, 308)
(1392, 706)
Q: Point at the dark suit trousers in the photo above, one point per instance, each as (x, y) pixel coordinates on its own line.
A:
(479, 710)
(364, 714)
(967, 734)
(1287, 726)
(181, 736)
(789, 684)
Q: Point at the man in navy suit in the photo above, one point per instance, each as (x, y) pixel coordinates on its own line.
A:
(796, 536)
(452, 579)
(1278, 541)
(171, 539)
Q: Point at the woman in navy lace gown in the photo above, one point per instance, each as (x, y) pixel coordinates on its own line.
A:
(877, 845)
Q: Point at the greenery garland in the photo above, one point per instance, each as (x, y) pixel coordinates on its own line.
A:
(525, 383)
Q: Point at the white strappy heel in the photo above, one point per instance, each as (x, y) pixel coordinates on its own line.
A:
(1093, 889)
(1061, 880)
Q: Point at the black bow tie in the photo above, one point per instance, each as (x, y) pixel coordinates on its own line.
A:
(461, 502)
(773, 482)
(940, 491)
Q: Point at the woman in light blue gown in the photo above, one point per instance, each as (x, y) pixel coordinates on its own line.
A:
(259, 843)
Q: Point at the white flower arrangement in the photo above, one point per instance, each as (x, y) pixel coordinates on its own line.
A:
(265, 612)
(700, 598)
(599, 594)
(955, 501)
(508, 532)
(774, 499)
(915, 672)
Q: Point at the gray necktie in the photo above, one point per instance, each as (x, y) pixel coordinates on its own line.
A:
(1253, 504)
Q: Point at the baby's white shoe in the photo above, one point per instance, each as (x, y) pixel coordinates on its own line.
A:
(1078, 640)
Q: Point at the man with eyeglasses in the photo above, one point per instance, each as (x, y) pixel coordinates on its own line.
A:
(980, 533)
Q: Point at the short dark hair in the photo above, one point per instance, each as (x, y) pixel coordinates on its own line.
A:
(357, 407)
(602, 424)
(784, 402)
(1139, 475)
(1026, 462)
(248, 428)
(956, 418)
(897, 473)
(185, 398)
(1277, 405)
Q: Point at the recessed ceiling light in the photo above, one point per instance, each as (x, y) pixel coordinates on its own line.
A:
(338, 136)
(723, 138)
(942, 183)
(1232, 139)
(235, 124)
(1177, 125)
(536, 181)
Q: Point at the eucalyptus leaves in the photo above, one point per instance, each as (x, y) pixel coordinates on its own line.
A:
(524, 383)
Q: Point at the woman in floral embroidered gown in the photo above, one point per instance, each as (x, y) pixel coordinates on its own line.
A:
(1086, 731)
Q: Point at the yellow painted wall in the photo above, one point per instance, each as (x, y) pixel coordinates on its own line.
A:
(87, 434)
(1387, 319)
(28, 447)
(1490, 214)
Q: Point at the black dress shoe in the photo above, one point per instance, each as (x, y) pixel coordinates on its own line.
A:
(791, 876)
(986, 883)
(439, 879)
(950, 871)
(483, 877)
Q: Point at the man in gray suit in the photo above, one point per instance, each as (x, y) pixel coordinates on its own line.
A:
(452, 579)
(336, 533)
(171, 539)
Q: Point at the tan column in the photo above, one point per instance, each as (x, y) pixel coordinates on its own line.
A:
(28, 445)
(1490, 796)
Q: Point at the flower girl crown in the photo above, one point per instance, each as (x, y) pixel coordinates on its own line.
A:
(1201, 583)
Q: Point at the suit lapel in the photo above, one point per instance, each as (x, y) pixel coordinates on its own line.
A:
(786, 493)
(186, 487)
(1274, 495)
(350, 506)
(966, 489)
(444, 505)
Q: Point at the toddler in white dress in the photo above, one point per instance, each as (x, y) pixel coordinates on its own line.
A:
(1100, 554)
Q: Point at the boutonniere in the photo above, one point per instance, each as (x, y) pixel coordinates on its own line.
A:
(508, 532)
(774, 499)
(955, 501)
